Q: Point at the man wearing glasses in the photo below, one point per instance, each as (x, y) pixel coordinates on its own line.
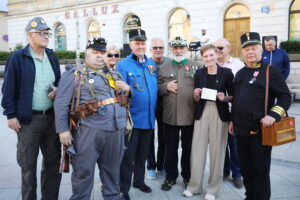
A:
(31, 77)
(231, 157)
(157, 52)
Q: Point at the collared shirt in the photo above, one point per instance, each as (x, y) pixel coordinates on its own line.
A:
(234, 64)
(44, 77)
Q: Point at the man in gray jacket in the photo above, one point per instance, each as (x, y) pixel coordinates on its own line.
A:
(100, 132)
(176, 86)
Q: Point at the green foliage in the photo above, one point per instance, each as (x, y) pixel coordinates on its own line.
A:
(18, 46)
(63, 54)
(292, 47)
(4, 55)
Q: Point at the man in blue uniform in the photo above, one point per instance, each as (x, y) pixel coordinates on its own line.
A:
(139, 72)
(249, 89)
(100, 132)
(276, 57)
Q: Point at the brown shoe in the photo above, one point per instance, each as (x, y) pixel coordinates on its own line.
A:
(238, 183)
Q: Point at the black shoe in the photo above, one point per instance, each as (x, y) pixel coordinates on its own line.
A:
(124, 196)
(144, 188)
(167, 185)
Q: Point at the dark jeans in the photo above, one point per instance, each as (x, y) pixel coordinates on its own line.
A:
(255, 161)
(39, 134)
(232, 158)
(151, 164)
(172, 142)
(134, 158)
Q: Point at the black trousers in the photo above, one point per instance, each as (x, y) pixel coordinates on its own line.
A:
(159, 164)
(255, 162)
(172, 142)
(134, 158)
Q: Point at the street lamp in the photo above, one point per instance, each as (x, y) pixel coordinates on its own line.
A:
(77, 37)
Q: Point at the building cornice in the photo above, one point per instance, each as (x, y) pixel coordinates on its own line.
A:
(66, 8)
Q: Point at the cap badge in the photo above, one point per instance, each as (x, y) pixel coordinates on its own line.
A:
(248, 36)
(33, 24)
(139, 31)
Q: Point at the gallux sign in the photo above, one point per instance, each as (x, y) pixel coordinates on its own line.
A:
(89, 12)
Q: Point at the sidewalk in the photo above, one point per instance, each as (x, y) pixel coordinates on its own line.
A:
(285, 173)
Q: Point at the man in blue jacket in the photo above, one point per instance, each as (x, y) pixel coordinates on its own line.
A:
(139, 72)
(276, 57)
(31, 77)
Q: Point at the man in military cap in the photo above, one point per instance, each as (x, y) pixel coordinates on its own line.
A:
(31, 77)
(100, 131)
(249, 89)
(140, 73)
(176, 86)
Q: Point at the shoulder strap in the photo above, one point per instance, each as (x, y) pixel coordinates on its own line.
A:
(267, 88)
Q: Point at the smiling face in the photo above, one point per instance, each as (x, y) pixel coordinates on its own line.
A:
(112, 57)
(209, 57)
(223, 49)
(138, 47)
(252, 54)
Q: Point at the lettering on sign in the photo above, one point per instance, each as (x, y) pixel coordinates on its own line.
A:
(89, 12)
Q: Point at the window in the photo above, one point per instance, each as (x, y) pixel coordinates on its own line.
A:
(132, 22)
(180, 25)
(60, 37)
(294, 29)
(93, 30)
(237, 11)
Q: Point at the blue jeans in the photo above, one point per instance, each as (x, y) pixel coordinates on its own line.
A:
(232, 159)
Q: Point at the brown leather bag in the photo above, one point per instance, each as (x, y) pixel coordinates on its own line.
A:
(280, 132)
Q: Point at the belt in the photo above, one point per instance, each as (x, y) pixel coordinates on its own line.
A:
(43, 112)
(107, 101)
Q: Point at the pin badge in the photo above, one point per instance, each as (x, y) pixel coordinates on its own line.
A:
(91, 81)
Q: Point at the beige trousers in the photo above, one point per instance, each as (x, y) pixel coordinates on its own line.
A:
(209, 132)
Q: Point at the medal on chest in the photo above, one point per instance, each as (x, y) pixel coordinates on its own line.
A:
(190, 71)
(255, 74)
(151, 69)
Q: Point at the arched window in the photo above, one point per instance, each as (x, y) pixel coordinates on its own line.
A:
(180, 24)
(60, 37)
(294, 29)
(236, 23)
(93, 30)
(132, 22)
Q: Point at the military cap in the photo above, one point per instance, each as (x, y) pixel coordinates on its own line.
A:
(97, 44)
(178, 42)
(250, 38)
(37, 23)
(137, 34)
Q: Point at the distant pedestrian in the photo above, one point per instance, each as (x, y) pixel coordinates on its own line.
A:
(29, 87)
(276, 57)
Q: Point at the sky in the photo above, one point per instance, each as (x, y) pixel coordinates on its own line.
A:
(3, 5)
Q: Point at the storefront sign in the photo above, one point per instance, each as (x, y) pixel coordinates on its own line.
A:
(89, 12)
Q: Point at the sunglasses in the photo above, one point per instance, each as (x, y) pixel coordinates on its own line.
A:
(156, 48)
(110, 55)
(44, 34)
(220, 48)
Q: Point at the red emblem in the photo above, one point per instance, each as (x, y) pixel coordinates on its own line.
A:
(291, 123)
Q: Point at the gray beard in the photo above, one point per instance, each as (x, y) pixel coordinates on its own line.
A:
(179, 58)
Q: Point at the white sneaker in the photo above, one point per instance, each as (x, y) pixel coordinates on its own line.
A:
(151, 174)
(209, 197)
(187, 193)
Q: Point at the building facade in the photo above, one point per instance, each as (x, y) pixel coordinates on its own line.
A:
(3, 32)
(112, 19)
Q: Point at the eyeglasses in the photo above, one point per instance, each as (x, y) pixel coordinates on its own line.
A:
(43, 34)
(156, 48)
(110, 55)
(220, 48)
